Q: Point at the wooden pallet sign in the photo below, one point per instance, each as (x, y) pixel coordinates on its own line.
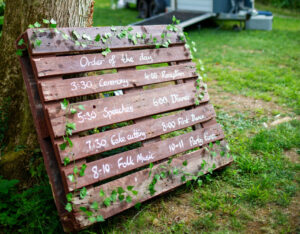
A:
(114, 131)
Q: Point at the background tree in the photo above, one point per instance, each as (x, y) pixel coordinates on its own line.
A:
(15, 116)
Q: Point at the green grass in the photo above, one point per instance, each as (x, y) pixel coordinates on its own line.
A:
(254, 194)
(105, 16)
(263, 65)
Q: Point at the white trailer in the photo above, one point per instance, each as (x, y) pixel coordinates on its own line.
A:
(194, 11)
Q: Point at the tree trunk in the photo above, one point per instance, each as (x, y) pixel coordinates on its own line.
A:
(18, 125)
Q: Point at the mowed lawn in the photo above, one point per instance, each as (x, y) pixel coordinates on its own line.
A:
(254, 79)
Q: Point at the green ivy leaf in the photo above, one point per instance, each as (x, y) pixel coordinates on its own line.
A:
(199, 183)
(100, 218)
(107, 201)
(75, 170)
(82, 170)
(37, 25)
(120, 190)
(52, 23)
(134, 192)
(174, 19)
(76, 35)
(97, 38)
(183, 178)
(73, 111)
(71, 125)
(214, 154)
(101, 193)
(129, 188)
(144, 36)
(175, 171)
(106, 52)
(19, 52)
(64, 104)
(95, 205)
(71, 178)
(30, 26)
(65, 36)
(184, 163)
(68, 207)
(21, 42)
(128, 199)
(82, 208)
(45, 21)
(92, 219)
(63, 146)
(130, 29)
(69, 197)
(112, 28)
(66, 161)
(83, 192)
(211, 145)
(81, 107)
(86, 37)
(138, 205)
(37, 42)
(121, 197)
(69, 141)
(113, 196)
(163, 175)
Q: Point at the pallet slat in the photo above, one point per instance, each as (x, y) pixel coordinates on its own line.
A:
(53, 43)
(75, 87)
(123, 108)
(53, 66)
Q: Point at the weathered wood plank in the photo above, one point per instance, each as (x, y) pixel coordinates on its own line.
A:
(52, 66)
(141, 131)
(141, 180)
(120, 163)
(51, 165)
(122, 108)
(53, 43)
(53, 90)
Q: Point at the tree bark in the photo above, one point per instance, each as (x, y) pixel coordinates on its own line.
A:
(20, 131)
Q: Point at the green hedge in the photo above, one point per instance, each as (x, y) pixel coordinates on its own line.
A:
(292, 4)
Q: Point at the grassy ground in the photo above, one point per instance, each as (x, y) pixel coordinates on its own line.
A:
(254, 80)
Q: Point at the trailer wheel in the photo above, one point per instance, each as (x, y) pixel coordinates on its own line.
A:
(143, 9)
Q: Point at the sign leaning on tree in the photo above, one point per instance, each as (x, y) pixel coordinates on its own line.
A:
(113, 130)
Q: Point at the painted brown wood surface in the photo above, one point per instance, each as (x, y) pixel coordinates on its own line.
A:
(126, 107)
(141, 131)
(54, 43)
(141, 180)
(51, 164)
(53, 90)
(53, 66)
(120, 163)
